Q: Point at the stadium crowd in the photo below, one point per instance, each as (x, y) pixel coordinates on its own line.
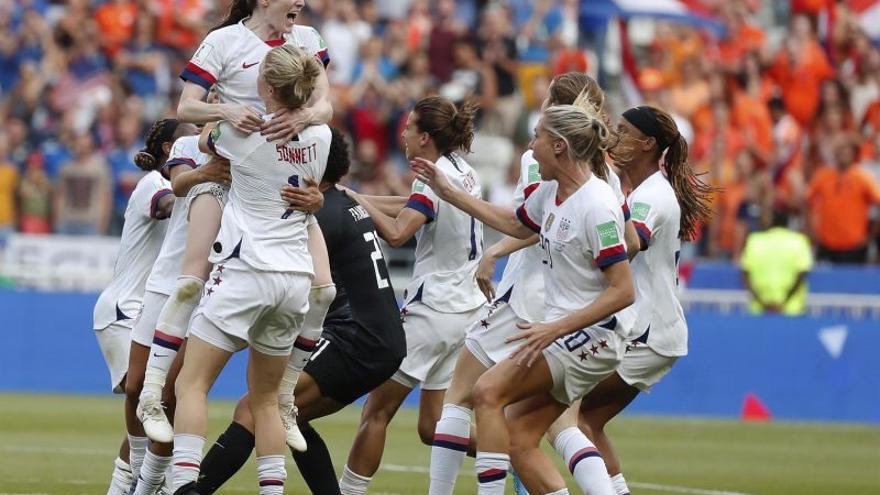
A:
(791, 127)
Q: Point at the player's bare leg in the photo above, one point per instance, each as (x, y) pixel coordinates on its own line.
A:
(173, 320)
(369, 443)
(504, 384)
(201, 367)
(598, 407)
(264, 377)
(452, 436)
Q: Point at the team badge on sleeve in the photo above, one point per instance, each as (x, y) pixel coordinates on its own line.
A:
(608, 234)
(639, 211)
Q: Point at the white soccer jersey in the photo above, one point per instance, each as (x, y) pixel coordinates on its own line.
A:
(166, 269)
(579, 237)
(522, 277)
(449, 244)
(141, 240)
(230, 57)
(257, 224)
(614, 182)
(656, 217)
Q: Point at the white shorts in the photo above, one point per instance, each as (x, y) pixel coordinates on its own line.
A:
(147, 318)
(580, 361)
(486, 337)
(115, 343)
(642, 367)
(219, 191)
(242, 306)
(433, 340)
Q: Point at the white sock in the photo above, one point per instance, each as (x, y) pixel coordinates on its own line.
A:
(313, 325)
(491, 468)
(187, 458)
(121, 478)
(451, 438)
(137, 448)
(152, 474)
(619, 484)
(352, 483)
(584, 462)
(563, 491)
(171, 330)
(271, 474)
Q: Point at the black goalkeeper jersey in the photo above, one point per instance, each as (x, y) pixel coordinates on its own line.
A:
(364, 295)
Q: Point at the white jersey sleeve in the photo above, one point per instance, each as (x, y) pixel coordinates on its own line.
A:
(309, 39)
(529, 178)
(614, 182)
(184, 151)
(605, 238)
(531, 211)
(206, 66)
(645, 217)
(228, 142)
(423, 200)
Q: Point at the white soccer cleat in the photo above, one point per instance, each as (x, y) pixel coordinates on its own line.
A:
(295, 438)
(152, 415)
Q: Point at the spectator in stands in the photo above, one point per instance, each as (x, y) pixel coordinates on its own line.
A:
(145, 68)
(83, 200)
(125, 173)
(115, 20)
(445, 30)
(35, 197)
(840, 196)
(498, 52)
(775, 264)
(8, 182)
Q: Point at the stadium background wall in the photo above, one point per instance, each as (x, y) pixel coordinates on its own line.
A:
(809, 368)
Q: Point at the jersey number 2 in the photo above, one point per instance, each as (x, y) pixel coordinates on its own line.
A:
(376, 255)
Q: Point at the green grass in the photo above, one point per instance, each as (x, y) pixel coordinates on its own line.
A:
(65, 445)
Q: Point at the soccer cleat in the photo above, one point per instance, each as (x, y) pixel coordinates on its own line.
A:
(295, 438)
(151, 414)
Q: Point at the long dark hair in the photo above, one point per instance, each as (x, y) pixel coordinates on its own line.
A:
(237, 11)
(152, 156)
(693, 194)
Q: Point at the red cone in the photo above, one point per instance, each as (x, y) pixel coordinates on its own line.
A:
(754, 410)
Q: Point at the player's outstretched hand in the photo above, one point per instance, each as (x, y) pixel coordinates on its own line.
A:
(484, 275)
(427, 172)
(216, 170)
(307, 199)
(536, 337)
(285, 124)
(244, 118)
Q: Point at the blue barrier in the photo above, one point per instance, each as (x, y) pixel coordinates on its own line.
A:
(844, 279)
(801, 368)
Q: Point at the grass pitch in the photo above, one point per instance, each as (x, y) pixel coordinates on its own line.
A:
(65, 445)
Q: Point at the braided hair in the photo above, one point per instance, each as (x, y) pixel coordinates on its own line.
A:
(152, 156)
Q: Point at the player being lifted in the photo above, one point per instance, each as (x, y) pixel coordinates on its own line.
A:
(259, 289)
(520, 300)
(228, 60)
(588, 285)
(119, 303)
(441, 299)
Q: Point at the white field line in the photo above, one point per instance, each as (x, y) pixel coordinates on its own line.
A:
(396, 468)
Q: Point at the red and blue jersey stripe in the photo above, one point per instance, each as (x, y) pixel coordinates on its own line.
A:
(421, 204)
(195, 74)
(610, 256)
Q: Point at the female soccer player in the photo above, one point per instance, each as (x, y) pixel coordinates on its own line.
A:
(588, 285)
(228, 60)
(441, 299)
(520, 300)
(259, 290)
(150, 203)
(177, 160)
(668, 203)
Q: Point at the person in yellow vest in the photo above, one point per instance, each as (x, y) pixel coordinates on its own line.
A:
(775, 264)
